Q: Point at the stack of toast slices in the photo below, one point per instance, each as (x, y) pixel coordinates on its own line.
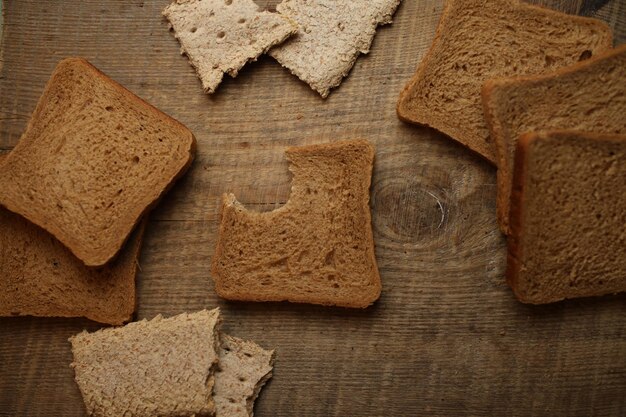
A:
(92, 162)
(542, 95)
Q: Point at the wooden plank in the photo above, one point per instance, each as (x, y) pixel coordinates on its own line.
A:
(446, 338)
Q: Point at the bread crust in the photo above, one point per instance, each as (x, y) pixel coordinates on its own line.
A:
(514, 246)
(89, 256)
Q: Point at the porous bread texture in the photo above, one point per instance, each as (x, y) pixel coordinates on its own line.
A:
(589, 96)
(318, 248)
(40, 277)
(477, 40)
(221, 36)
(93, 159)
(243, 369)
(568, 223)
(161, 367)
(332, 34)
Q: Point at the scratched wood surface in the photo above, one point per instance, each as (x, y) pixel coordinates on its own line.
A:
(446, 338)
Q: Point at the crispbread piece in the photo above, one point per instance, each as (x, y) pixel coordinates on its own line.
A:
(220, 36)
(332, 35)
(243, 369)
(161, 367)
(589, 96)
(93, 159)
(477, 40)
(318, 248)
(40, 277)
(568, 236)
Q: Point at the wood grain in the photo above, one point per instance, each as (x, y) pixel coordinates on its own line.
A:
(447, 336)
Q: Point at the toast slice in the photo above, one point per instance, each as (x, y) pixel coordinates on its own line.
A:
(40, 277)
(244, 367)
(477, 40)
(161, 367)
(318, 248)
(568, 236)
(332, 35)
(588, 96)
(221, 36)
(93, 159)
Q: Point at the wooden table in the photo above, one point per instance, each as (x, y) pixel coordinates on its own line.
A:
(447, 336)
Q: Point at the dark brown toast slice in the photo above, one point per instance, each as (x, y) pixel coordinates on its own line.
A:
(318, 248)
(477, 40)
(568, 217)
(41, 277)
(588, 96)
(93, 159)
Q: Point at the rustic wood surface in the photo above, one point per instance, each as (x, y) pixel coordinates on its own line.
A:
(447, 336)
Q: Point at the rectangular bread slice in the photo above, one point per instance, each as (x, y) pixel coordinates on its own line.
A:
(161, 367)
(588, 96)
(568, 216)
(93, 159)
(318, 248)
(477, 40)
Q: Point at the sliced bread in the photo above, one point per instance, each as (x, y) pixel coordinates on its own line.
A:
(221, 36)
(244, 367)
(318, 248)
(40, 277)
(588, 96)
(161, 367)
(332, 34)
(93, 159)
(568, 217)
(477, 40)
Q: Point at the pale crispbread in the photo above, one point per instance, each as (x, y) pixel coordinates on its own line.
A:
(318, 248)
(477, 40)
(221, 36)
(243, 369)
(567, 216)
(93, 159)
(161, 367)
(332, 34)
(588, 96)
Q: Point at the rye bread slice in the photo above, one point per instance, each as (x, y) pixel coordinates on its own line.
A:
(589, 96)
(161, 367)
(244, 367)
(221, 36)
(477, 40)
(93, 159)
(318, 248)
(40, 277)
(332, 35)
(568, 217)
